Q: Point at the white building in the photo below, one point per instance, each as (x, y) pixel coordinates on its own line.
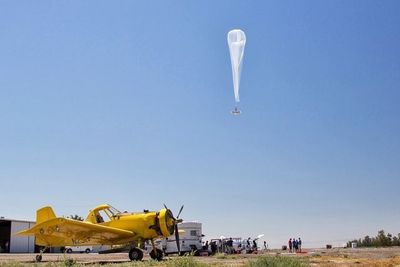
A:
(9, 242)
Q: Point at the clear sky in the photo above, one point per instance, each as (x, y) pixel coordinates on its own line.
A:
(128, 103)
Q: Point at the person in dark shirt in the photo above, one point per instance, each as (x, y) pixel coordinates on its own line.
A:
(290, 245)
(229, 244)
(299, 244)
(214, 248)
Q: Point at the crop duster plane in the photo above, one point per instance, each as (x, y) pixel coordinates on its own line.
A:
(106, 225)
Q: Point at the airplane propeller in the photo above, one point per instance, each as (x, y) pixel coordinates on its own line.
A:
(178, 245)
(176, 230)
(179, 213)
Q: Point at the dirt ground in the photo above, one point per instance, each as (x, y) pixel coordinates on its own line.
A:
(317, 257)
(355, 257)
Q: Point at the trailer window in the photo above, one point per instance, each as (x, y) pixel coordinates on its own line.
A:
(193, 233)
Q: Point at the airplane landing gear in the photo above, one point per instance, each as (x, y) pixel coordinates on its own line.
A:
(38, 258)
(135, 254)
(156, 254)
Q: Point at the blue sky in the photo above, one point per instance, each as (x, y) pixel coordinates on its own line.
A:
(129, 103)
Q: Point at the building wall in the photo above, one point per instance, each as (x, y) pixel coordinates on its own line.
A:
(21, 244)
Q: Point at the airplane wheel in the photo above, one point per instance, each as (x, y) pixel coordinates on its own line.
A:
(135, 254)
(156, 256)
(69, 250)
(38, 258)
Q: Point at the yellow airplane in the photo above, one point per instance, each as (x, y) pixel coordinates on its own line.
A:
(106, 225)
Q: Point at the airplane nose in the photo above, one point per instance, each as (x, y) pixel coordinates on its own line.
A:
(167, 222)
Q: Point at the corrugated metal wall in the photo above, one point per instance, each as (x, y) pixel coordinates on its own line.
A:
(21, 244)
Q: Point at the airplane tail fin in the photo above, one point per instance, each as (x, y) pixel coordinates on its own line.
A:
(44, 214)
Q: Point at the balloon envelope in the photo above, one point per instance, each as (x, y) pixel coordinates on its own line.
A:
(236, 42)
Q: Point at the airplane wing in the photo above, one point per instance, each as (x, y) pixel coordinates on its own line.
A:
(67, 232)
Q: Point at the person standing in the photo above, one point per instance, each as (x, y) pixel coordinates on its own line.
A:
(214, 247)
(265, 245)
(294, 244)
(229, 244)
(290, 245)
(299, 244)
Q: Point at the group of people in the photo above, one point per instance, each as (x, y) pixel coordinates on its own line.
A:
(254, 246)
(212, 245)
(232, 246)
(294, 245)
(219, 246)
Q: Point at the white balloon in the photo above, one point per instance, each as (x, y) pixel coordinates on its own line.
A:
(236, 41)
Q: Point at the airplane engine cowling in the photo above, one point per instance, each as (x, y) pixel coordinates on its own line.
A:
(167, 222)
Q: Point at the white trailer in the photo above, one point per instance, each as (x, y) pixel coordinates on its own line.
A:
(190, 239)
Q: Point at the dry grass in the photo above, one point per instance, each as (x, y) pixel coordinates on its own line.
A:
(325, 258)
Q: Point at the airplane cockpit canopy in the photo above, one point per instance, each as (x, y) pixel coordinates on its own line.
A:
(111, 211)
(104, 213)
